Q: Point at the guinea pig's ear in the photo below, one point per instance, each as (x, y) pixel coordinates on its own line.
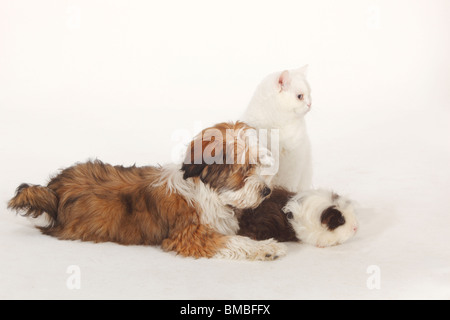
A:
(284, 80)
(192, 170)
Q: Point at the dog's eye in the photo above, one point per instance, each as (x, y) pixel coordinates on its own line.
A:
(289, 215)
(300, 97)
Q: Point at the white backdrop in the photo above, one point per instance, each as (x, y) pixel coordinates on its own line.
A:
(121, 80)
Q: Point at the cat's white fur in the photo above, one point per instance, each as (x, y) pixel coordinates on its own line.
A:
(275, 105)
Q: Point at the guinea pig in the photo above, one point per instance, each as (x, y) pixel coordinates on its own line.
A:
(318, 217)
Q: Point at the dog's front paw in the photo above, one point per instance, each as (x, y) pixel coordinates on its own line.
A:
(238, 247)
(270, 250)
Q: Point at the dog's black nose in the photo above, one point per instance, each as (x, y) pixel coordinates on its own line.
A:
(266, 191)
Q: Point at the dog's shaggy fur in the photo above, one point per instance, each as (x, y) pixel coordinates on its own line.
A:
(189, 210)
(317, 217)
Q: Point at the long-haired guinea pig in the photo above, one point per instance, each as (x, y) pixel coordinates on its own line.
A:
(318, 217)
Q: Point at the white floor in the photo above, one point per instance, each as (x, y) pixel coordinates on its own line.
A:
(84, 79)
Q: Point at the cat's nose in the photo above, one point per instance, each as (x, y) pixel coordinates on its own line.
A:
(309, 105)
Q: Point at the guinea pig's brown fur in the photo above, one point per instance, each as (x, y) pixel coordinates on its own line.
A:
(268, 220)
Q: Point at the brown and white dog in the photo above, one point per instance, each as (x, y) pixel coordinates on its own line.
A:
(319, 217)
(189, 209)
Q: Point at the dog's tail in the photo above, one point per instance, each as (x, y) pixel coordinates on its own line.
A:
(35, 200)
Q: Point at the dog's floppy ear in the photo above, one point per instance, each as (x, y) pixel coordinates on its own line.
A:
(192, 170)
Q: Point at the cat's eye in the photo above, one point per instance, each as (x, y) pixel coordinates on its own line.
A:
(300, 97)
(289, 215)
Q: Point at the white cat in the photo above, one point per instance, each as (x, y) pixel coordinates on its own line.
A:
(280, 102)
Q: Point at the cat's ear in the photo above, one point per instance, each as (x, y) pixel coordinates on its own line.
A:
(303, 70)
(284, 80)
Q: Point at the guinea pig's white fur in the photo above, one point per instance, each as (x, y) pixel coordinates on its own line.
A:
(307, 208)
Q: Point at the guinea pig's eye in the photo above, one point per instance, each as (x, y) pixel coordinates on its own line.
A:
(289, 215)
(300, 97)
